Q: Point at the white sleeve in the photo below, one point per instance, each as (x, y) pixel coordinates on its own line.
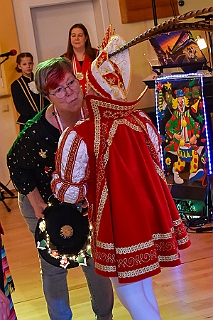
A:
(69, 179)
(152, 133)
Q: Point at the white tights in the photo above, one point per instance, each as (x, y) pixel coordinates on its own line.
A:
(138, 298)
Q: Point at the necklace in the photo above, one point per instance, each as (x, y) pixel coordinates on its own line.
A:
(79, 75)
(58, 119)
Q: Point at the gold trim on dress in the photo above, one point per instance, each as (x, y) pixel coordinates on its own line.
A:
(32, 102)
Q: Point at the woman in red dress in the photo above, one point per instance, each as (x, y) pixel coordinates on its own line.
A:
(80, 52)
(137, 229)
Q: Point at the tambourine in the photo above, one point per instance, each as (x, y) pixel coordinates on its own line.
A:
(63, 236)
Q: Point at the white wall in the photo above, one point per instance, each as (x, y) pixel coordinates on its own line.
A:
(7, 135)
(52, 23)
(39, 21)
(7, 127)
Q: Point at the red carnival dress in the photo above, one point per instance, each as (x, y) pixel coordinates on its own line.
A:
(136, 226)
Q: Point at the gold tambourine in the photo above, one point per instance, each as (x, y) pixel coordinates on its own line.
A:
(79, 75)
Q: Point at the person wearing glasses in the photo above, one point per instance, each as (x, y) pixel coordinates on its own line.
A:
(31, 164)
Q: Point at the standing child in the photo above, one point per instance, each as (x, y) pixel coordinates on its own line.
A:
(27, 100)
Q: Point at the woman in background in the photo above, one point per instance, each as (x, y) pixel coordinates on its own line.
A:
(7, 311)
(80, 52)
(27, 100)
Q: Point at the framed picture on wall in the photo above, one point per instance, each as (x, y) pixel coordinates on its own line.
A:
(179, 49)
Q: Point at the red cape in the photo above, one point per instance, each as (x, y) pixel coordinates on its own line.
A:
(136, 226)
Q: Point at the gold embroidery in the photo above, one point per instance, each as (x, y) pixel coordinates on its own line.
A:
(138, 272)
(183, 240)
(173, 257)
(105, 268)
(127, 108)
(135, 248)
(106, 246)
(160, 172)
(177, 222)
(144, 245)
(164, 236)
(101, 204)
(97, 129)
(42, 153)
(128, 274)
(29, 98)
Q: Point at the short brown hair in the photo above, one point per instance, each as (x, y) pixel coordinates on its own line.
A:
(49, 73)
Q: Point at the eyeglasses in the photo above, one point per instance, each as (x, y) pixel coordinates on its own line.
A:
(60, 92)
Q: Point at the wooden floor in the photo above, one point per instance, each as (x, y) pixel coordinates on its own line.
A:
(183, 293)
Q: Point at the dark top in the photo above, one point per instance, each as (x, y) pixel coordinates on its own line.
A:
(31, 158)
(26, 102)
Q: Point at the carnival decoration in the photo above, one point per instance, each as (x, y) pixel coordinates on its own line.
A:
(63, 237)
(181, 114)
(184, 160)
(177, 23)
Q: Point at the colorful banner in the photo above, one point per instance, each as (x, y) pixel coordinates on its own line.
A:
(182, 123)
